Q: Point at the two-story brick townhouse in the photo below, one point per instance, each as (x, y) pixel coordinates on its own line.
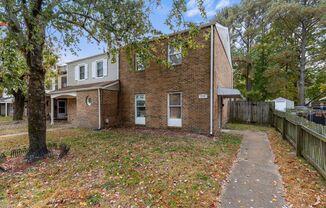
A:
(192, 95)
(86, 93)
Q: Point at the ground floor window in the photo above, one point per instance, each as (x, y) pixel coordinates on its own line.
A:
(175, 109)
(140, 109)
(62, 109)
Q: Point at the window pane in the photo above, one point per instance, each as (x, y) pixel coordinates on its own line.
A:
(62, 104)
(99, 68)
(82, 72)
(176, 59)
(175, 99)
(140, 97)
(140, 103)
(141, 111)
(63, 81)
(140, 66)
(175, 112)
(173, 50)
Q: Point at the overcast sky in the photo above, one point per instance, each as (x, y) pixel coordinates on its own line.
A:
(212, 6)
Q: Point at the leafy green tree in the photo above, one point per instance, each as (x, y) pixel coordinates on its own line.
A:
(13, 75)
(247, 23)
(275, 45)
(31, 23)
(304, 21)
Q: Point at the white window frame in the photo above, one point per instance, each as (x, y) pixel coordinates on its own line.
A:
(179, 51)
(85, 71)
(174, 122)
(96, 72)
(140, 120)
(136, 63)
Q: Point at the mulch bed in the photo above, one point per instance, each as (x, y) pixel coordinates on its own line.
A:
(304, 186)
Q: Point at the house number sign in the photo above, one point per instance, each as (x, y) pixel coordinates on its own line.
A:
(202, 96)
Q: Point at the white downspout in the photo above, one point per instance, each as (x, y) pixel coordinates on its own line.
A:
(99, 108)
(211, 82)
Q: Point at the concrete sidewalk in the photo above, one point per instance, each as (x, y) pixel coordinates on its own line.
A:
(254, 180)
(26, 133)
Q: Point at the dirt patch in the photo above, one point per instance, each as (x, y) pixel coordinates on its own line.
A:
(303, 185)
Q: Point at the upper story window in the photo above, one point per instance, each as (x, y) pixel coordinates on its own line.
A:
(99, 69)
(140, 65)
(63, 82)
(82, 72)
(174, 55)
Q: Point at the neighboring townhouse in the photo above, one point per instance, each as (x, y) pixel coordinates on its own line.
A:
(6, 104)
(192, 95)
(87, 93)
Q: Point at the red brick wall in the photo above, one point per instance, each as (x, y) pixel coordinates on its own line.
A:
(191, 78)
(87, 116)
(109, 108)
(71, 110)
(223, 76)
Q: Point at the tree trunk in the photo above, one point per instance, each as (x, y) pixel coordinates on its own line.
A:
(36, 104)
(302, 66)
(19, 105)
(248, 80)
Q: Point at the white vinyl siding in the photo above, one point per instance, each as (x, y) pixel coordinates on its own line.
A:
(174, 55)
(175, 109)
(140, 109)
(110, 70)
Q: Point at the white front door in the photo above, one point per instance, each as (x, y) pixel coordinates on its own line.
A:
(62, 109)
(140, 109)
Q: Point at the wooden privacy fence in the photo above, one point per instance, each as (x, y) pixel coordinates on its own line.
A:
(308, 138)
(251, 112)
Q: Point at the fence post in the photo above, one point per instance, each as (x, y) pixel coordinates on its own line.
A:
(299, 140)
(284, 127)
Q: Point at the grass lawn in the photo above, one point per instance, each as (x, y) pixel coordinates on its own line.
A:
(13, 130)
(4, 119)
(122, 168)
(251, 127)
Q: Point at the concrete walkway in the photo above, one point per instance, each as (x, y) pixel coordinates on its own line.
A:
(25, 133)
(254, 180)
